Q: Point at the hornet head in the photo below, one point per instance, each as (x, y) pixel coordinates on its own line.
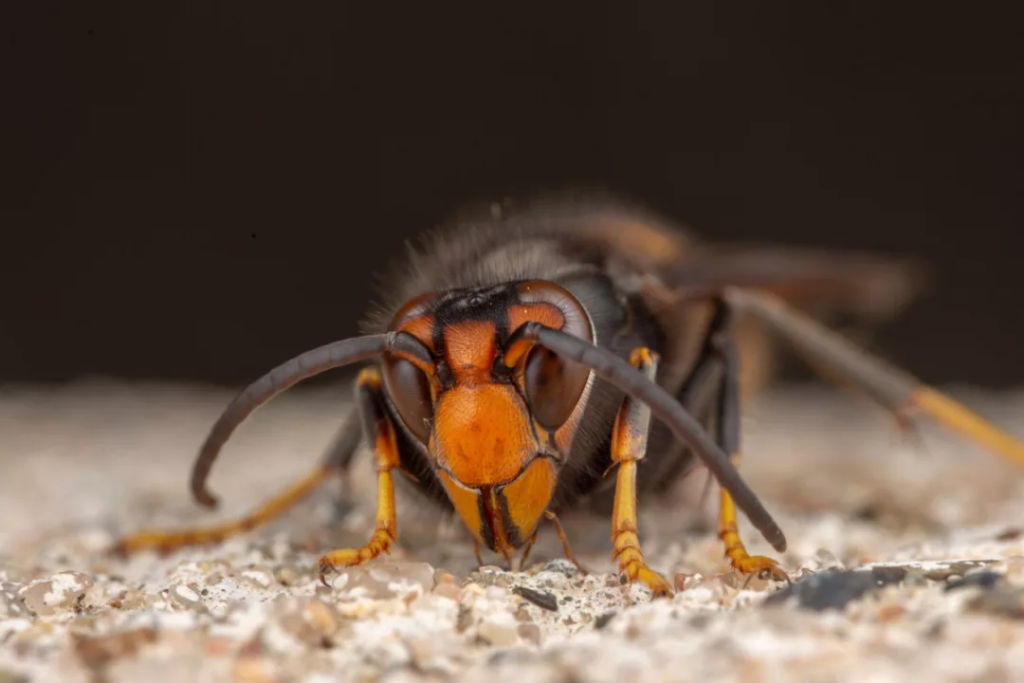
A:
(496, 413)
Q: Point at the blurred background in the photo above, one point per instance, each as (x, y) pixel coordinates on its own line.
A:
(197, 191)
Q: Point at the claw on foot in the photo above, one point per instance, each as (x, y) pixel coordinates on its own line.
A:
(762, 567)
(639, 571)
(336, 559)
(633, 565)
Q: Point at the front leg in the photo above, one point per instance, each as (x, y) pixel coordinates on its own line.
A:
(629, 445)
(379, 431)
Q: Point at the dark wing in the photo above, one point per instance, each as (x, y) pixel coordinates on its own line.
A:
(849, 291)
(871, 286)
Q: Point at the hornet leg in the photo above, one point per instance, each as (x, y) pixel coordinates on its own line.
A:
(720, 348)
(892, 388)
(378, 429)
(629, 445)
(336, 460)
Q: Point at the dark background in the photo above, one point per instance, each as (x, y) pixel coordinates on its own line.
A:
(185, 181)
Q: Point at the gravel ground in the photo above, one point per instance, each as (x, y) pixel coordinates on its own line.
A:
(907, 557)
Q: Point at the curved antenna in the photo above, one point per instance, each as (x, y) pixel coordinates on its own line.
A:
(289, 373)
(621, 374)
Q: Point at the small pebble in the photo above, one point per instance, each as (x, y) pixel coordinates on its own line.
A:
(499, 631)
(1015, 566)
(952, 569)
(287, 576)
(540, 598)
(680, 580)
(561, 566)
(891, 612)
(312, 621)
(321, 616)
(889, 574)
(826, 560)
(133, 599)
(492, 576)
(529, 633)
(258, 578)
(11, 605)
(982, 579)
(464, 619)
(385, 579)
(185, 598)
(98, 651)
(252, 670)
(1001, 599)
(523, 613)
(835, 590)
(495, 593)
(56, 594)
(449, 590)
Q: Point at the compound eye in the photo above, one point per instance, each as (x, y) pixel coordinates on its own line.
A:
(553, 387)
(409, 389)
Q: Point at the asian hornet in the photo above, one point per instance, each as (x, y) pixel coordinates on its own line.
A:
(518, 356)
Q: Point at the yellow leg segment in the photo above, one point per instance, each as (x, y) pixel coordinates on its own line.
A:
(169, 541)
(728, 532)
(386, 458)
(629, 445)
(956, 416)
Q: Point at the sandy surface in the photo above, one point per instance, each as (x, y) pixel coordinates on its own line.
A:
(81, 465)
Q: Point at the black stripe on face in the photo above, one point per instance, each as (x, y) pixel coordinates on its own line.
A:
(489, 304)
(512, 532)
(501, 323)
(485, 520)
(501, 373)
(441, 367)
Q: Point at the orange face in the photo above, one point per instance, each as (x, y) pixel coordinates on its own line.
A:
(496, 421)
